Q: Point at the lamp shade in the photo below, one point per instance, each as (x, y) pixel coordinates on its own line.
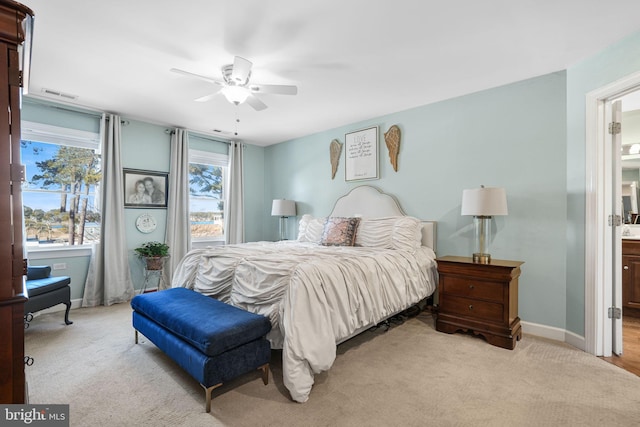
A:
(282, 207)
(484, 201)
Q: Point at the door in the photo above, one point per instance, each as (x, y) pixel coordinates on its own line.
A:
(615, 134)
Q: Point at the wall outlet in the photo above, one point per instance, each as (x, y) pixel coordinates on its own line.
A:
(60, 266)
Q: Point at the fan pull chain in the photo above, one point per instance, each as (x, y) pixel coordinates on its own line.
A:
(237, 119)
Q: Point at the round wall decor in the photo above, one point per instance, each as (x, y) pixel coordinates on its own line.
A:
(146, 223)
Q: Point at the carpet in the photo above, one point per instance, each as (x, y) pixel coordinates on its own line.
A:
(410, 375)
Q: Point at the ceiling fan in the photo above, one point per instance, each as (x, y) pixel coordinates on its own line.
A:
(235, 85)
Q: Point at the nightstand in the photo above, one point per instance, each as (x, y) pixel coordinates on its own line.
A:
(481, 298)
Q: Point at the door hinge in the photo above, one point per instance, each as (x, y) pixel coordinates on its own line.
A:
(615, 220)
(615, 128)
(615, 313)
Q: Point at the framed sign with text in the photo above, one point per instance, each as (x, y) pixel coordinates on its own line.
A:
(361, 154)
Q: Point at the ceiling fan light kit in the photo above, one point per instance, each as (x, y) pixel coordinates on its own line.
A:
(235, 94)
(235, 85)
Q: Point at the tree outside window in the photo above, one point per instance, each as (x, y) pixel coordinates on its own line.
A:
(59, 197)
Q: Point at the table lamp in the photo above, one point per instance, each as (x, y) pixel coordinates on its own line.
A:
(483, 203)
(284, 209)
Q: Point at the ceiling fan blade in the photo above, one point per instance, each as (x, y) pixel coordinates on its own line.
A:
(256, 103)
(198, 76)
(241, 70)
(206, 97)
(275, 89)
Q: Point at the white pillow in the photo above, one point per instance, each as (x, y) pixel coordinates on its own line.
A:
(310, 229)
(396, 232)
(375, 232)
(407, 233)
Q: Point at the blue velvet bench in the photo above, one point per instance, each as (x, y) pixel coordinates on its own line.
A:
(45, 290)
(213, 341)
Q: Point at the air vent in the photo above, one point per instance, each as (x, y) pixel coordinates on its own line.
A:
(63, 95)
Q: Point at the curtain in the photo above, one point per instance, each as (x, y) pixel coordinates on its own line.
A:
(233, 205)
(178, 234)
(109, 278)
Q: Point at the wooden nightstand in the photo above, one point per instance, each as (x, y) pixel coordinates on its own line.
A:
(482, 298)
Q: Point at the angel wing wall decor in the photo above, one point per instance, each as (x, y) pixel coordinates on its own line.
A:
(392, 139)
(335, 150)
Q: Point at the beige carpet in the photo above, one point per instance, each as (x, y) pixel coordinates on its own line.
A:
(408, 376)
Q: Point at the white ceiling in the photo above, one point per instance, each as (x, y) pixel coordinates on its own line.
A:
(352, 60)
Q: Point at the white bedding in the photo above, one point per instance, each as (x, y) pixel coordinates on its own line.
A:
(315, 296)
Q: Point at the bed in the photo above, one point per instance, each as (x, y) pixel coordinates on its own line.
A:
(363, 263)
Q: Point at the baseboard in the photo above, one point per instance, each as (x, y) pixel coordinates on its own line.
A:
(553, 333)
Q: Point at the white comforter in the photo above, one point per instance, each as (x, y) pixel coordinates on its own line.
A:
(315, 296)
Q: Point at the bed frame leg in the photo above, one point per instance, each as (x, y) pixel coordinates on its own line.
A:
(207, 396)
(265, 373)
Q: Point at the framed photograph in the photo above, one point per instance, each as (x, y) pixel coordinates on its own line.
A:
(361, 154)
(145, 189)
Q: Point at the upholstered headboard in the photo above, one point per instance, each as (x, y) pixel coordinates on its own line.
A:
(369, 202)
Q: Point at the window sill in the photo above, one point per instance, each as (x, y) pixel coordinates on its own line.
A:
(59, 252)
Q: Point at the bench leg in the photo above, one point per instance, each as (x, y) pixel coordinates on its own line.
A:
(265, 373)
(66, 313)
(207, 396)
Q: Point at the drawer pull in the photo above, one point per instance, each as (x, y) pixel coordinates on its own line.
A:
(471, 286)
(626, 267)
(470, 307)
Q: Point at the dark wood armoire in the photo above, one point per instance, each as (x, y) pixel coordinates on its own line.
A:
(15, 25)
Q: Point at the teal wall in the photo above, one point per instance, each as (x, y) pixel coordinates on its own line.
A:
(148, 147)
(512, 137)
(51, 114)
(617, 61)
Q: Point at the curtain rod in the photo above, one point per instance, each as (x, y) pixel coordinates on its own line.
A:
(200, 135)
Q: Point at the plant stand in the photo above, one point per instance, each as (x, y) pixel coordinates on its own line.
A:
(153, 267)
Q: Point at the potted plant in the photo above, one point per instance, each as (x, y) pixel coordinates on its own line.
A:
(153, 253)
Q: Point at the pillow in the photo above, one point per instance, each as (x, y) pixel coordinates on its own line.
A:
(310, 229)
(407, 234)
(395, 232)
(339, 231)
(376, 232)
(38, 272)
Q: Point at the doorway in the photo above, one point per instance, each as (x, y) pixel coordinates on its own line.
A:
(602, 240)
(604, 331)
(628, 176)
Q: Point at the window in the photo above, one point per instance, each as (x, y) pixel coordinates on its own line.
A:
(59, 195)
(206, 194)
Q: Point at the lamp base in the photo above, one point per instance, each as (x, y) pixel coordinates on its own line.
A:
(479, 258)
(283, 228)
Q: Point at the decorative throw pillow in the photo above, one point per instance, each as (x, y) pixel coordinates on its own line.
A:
(339, 231)
(38, 272)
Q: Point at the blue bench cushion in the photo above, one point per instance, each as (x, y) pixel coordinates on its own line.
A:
(48, 284)
(211, 326)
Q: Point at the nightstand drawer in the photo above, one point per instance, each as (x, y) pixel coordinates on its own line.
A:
(468, 307)
(472, 288)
